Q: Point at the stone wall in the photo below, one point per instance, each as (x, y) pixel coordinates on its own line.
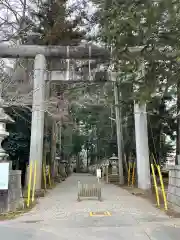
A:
(11, 199)
(173, 195)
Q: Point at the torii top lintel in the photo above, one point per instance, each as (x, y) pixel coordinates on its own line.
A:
(78, 52)
(61, 52)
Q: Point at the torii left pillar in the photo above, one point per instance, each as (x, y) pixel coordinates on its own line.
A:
(142, 148)
(37, 122)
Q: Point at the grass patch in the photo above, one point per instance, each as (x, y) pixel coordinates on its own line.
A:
(151, 197)
(17, 213)
(26, 209)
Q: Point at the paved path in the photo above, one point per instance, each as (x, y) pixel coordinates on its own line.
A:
(60, 216)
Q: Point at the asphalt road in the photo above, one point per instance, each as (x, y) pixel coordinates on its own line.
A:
(60, 216)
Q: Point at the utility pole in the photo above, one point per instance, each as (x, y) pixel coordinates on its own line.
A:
(60, 136)
(96, 147)
(119, 133)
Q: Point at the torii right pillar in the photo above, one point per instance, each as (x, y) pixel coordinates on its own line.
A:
(142, 146)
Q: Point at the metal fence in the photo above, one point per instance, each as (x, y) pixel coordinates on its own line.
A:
(86, 190)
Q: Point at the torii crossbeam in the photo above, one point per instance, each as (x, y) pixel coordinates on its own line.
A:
(85, 51)
(61, 52)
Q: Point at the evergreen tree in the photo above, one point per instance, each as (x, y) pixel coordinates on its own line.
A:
(155, 25)
(56, 24)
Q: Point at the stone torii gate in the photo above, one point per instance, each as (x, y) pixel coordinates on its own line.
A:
(41, 74)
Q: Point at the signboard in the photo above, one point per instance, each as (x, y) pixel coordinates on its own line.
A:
(4, 175)
(98, 173)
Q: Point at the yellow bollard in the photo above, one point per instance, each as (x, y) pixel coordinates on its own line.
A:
(49, 177)
(155, 185)
(44, 176)
(133, 174)
(34, 182)
(129, 174)
(29, 184)
(155, 163)
(162, 187)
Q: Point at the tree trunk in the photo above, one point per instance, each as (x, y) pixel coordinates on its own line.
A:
(178, 123)
(119, 133)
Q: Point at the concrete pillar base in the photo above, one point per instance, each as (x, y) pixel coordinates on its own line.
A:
(58, 179)
(39, 193)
